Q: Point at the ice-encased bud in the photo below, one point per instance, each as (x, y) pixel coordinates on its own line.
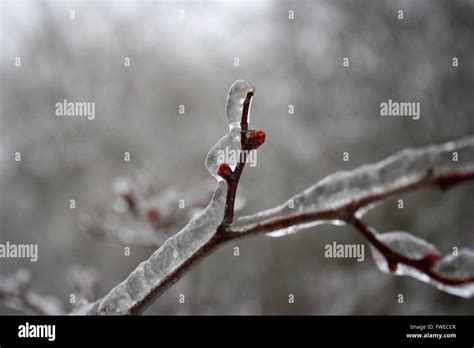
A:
(235, 101)
(227, 149)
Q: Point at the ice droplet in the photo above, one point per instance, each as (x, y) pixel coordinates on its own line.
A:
(235, 101)
(459, 266)
(295, 228)
(364, 210)
(227, 149)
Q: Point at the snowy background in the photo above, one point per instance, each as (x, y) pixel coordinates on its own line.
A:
(190, 62)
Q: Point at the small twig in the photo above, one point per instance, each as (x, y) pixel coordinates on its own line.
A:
(21, 302)
(424, 265)
(15, 293)
(346, 212)
(232, 177)
(126, 299)
(226, 233)
(143, 218)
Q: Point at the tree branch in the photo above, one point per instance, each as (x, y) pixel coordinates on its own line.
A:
(341, 197)
(232, 177)
(436, 174)
(346, 212)
(424, 265)
(15, 293)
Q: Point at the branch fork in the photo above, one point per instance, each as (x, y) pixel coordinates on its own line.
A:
(249, 140)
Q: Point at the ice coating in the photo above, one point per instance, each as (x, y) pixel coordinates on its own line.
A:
(18, 284)
(229, 144)
(463, 290)
(460, 266)
(453, 267)
(177, 249)
(235, 101)
(404, 244)
(342, 188)
(296, 228)
(150, 274)
(457, 266)
(407, 244)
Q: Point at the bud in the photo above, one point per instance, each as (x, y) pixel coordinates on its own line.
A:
(153, 216)
(224, 171)
(255, 139)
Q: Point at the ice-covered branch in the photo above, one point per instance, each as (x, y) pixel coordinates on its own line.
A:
(142, 216)
(15, 293)
(344, 194)
(339, 198)
(401, 253)
(85, 282)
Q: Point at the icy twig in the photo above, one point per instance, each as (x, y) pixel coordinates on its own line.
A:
(142, 217)
(15, 293)
(85, 282)
(249, 142)
(339, 198)
(404, 254)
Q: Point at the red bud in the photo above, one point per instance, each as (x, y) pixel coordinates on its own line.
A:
(153, 216)
(255, 139)
(225, 171)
